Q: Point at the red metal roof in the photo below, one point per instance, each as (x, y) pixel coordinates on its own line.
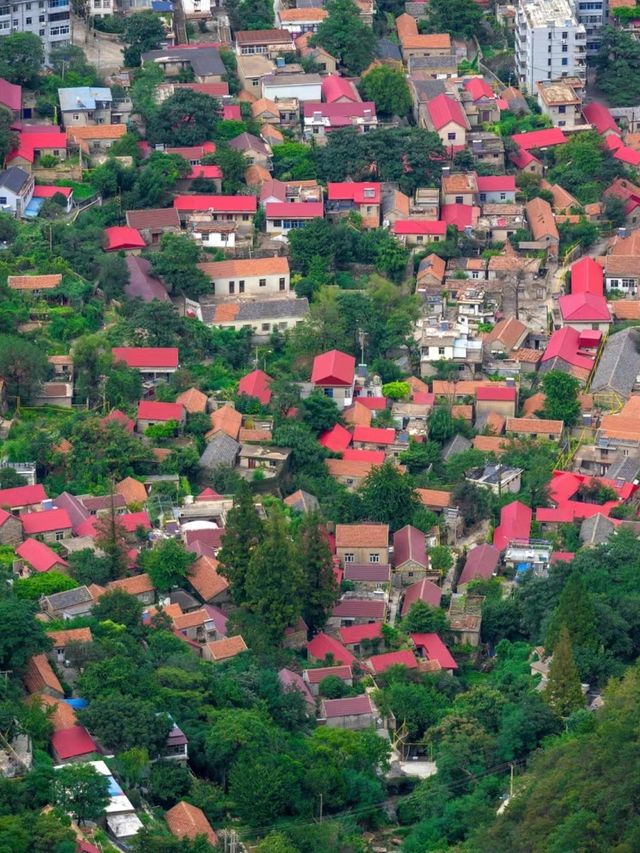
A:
(353, 455)
(496, 183)
(231, 112)
(353, 634)
(374, 435)
(41, 191)
(340, 113)
(584, 307)
(564, 344)
(315, 676)
(461, 215)
(337, 438)
(627, 155)
(29, 143)
(323, 646)
(151, 410)
(372, 403)
(444, 109)
(350, 707)
(294, 210)
(424, 590)
(45, 521)
(40, 557)
(434, 649)
(561, 556)
(256, 384)
(334, 87)
(600, 117)
(210, 172)
(217, 203)
(22, 496)
(540, 138)
(151, 357)
(123, 237)
(496, 392)
(479, 88)
(515, 523)
(10, 95)
(419, 226)
(522, 158)
(481, 562)
(380, 663)
(116, 416)
(132, 520)
(587, 276)
(333, 368)
(360, 192)
(73, 742)
(409, 543)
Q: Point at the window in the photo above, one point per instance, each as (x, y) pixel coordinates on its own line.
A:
(451, 136)
(76, 116)
(232, 287)
(3, 199)
(565, 48)
(59, 535)
(628, 282)
(266, 327)
(440, 350)
(41, 19)
(565, 61)
(503, 196)
(565, 35)
(562, 110)
(262, 282)
(241, 287)
(374, 558)
(348, 558)
(282, 283)
(459, 199)
(328, 392)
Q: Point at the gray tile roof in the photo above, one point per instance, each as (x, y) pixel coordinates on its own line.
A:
(619, 364)
(69, 598)
(14, 178)
(273, 308)
(596, 530)
(457, 444)
(627, 469)
(205, 61)
(387, 49)
(221, 450)
(419, 63)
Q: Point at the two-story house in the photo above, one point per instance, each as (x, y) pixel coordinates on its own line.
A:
(16, 190)
(253, 277)
(362, 543)
(333, 373)
(81, 106)
(355, 196)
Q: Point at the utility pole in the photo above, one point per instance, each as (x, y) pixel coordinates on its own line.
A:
(511, 769)
(321, 808)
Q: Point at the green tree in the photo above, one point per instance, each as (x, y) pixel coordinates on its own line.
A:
(458, 17)
(388, 89)
(21, 58)
(168, 783)
(440, 558)
(242, 534)
(167, 564)
(388, 496)
(36, 586)
(119, 607)
(176, 263)
(250, 14)
(275, 580)
(618, 63)
(320, 412)
(561, 397)
(143, 31)
(9, 478)
(420, 455)
(396, 390)
(133, 765)
(186, 118)
(344, 35)
(23, 365)
(473, 502)
(124, 722)
(563, 691)
(113, 275)
(424, 619)
(320, 588)
(442, 426)
(22, 634)
(576, 612)
(233, 164)
(82, 791)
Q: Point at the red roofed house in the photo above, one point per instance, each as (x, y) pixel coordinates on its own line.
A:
(337, 89)
(323, 648)
(314, 677)
(462, 216)
(256, 384)
(31, 146)
(496, 188)
(336, 439)
(481, 563)
(567, 352)
(38, 557)
(152, 362)
(426, 591)
(355, 636)
(151, 412)
(480, 102)
(587, 276)
(321, 119)
(124, 238)
(496, 399)
(515, 525)
(380, 663)
(410, 559)
(357, 611)
(282, 217)
(41, 191)
(601, 119)
(373, 438)
(416, 232)
(357, 712)
(540, 138)
(431, 647)
(238, 209)
(444, 115)
(10, 528)
(359, 197)
(21, 498)
(11, 97)
(362, 543)
(584, 311)
(48, 525)
(187, 821)
(333, 373)
(74, 744)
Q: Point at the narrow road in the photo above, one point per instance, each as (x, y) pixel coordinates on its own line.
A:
(100, 51)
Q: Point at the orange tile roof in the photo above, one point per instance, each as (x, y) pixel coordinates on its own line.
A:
(530, 356)
(97, 131)
(267, 130)
(40, 676)
(161, 453)
(489, 443)
(247, 268)
(227, 419)
(133, 491)
(463, 388)
(531, 426)
(534, 404)
(135, 585)
(463, 411)
(191, 619)
(187, 821)
(348, 468)
(460, 182)
(227, 648)
(204, 578)
(264, 105)
(193, 400)
(253, 435)
(172, 611)
(508, 331)
(226, 312)
(495, 422)
(71, 635)
(541, 219)
(357, 415)
(308, 14)
(33, 282)
(60, 713)
(434, 497)
(625, 309)
(417, 385)
(362, 535)
(256, 175)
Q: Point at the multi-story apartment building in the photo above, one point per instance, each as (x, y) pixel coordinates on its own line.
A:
(592, 14)
(49, 19)
(550, 43)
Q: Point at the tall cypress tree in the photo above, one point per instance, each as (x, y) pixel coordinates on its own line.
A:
(577, 612)
(563, 692)
(242, 533)
(320, 584)
(275, 581)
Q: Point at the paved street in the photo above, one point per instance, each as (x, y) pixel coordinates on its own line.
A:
(105, 54)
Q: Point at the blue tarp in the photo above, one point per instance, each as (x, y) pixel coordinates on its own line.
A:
(77, 704)
(33, 208)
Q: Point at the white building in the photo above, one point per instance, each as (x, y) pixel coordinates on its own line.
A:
(304, 87)
(49, 19)
(550, 43)
(592, 14)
